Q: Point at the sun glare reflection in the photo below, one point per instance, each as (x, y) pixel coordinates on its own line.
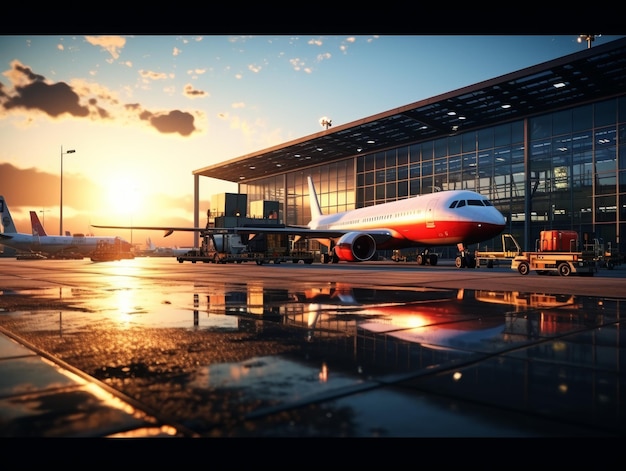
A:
(123, 301)
(124, 286)
(324, 373)
(412, 320)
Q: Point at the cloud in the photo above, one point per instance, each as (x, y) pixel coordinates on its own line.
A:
(31, 93)
(195, 72)
(149, 75)
(173, 122)
(53, 99)
(324, 56)
(297, 64)
(111, 44)
(191, 92)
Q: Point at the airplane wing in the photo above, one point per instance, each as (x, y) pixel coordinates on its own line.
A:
(380, 235)
(167, 229)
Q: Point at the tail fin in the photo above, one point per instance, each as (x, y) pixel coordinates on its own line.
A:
(36, 225)
(150, 244)
(5, 216)
(316, 211)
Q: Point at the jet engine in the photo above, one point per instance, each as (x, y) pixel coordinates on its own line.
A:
(355, 247)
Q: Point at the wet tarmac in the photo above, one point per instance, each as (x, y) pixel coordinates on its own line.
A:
(153, 348)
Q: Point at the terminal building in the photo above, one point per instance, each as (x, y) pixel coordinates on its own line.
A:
(546, 144)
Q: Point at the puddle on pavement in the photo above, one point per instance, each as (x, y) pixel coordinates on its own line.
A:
(325, 340)
(473, 320)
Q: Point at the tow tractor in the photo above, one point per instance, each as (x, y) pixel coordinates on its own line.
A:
(556, 252)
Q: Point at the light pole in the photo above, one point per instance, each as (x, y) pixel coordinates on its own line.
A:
(71, 151)
(43, 215)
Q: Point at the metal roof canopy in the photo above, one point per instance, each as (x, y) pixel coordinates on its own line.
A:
(595, 73)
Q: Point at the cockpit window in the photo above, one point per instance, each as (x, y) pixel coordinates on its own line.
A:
(461, 203)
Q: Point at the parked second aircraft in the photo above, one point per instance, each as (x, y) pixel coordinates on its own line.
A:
(40, 242)
(453, 217)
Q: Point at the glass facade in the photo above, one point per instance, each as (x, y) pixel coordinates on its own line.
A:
(564, 170)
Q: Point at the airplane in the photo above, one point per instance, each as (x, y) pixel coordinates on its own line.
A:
(153, 251)
(450, 217)
(36, 225)
(40, 242)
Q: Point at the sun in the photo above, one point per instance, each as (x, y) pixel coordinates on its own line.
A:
(124, 195)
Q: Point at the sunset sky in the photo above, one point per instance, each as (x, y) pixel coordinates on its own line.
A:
(143, 112)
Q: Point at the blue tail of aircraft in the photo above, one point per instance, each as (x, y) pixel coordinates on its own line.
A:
(5, 216)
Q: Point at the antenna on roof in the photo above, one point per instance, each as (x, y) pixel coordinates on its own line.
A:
(326, 122)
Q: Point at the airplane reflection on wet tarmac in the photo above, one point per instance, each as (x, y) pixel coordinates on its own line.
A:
(454, 319)
(437, 317)
(312, 358)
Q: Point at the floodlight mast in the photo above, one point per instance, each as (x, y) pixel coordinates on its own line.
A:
(587, 37)
(71, 151)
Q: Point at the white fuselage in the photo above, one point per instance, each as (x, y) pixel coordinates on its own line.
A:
(80, 244)
(442, 218)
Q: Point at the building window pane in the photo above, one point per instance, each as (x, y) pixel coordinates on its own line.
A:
(485, 138)
(562, 122)
(540, 127)
(582, 118)
(469, 142)
(502, 135)
(454, 145)
(604, 113)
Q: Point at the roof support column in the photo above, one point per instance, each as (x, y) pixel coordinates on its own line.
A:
(196, 209)
(528, 191)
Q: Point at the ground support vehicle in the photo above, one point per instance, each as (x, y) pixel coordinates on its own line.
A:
(556, 253)
(230, 248)
(609, 259)
(563, 263)
(65, 255)
(260, 258)
(400, 256)
(30, 256)
(108, 252)
(605, 255)
(423, 257)
(510, 249)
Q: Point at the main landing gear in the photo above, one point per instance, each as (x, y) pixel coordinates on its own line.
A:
(465, 258)
(427, 258)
